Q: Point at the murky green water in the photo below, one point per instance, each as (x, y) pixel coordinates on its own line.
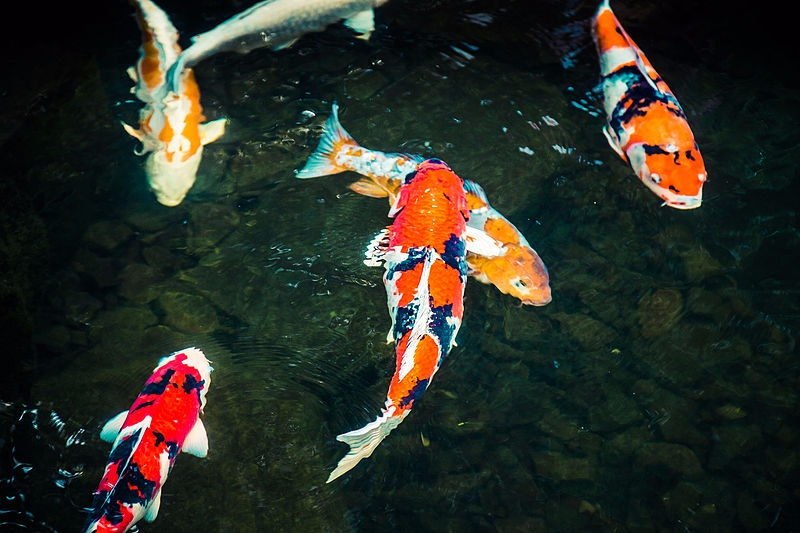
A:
(657, 392)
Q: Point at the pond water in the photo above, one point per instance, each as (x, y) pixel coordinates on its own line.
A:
(658, 391)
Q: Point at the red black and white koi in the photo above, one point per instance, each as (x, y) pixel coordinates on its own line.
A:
(163, 421)
(646, 125)
(497, 252)
(171, 127)
(424, 254)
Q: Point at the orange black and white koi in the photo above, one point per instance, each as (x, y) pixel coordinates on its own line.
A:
(163, 421)
(646, 125)
(497, 252)
(424, 256)
(171, 128)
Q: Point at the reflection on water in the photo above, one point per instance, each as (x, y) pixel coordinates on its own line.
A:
(658, 390)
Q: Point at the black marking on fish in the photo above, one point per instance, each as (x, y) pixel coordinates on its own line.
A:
(143, 405)
(407, 401)
(404, 319)
(455, 254)
(158, 387)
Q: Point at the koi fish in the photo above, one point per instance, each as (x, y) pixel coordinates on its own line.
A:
(424, 256)
(171, 128)
(646, 125)
(163, 421)
(497, 252)
(277, 24)
(518, 270)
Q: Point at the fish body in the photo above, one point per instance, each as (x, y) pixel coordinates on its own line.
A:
(163, 421)
(646, 125)
(277, 24)
(497, 252)
(424, 256)
(171, 128)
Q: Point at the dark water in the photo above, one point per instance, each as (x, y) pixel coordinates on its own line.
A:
(657, 392)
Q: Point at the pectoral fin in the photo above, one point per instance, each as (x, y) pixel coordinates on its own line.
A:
(613, 141)
(362, 23)
(211, 131)
(478, 242)
(152, 509)
(133, 132)
(196, 442)
(376, 249)
(112, 427)
(367, 187)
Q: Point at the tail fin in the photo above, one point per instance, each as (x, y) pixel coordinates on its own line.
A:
(321, 163)
(363, 441)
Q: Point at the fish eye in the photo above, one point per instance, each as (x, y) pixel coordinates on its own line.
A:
(519, 284)
(655, 178)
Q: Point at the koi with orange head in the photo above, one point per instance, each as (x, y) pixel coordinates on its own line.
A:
(424, 256)
(497, 252)
(646, 125)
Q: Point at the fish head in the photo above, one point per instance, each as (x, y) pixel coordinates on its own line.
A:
(676, 174)
(172, 132)
(196, 360)
(518, 272)
(432, 176)
(170, 178)
(438, 175)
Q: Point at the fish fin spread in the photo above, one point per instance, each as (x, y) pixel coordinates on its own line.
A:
(196, 442)
(643, 69)
(321, 162)
(211, 131)
(470, 187)
(363, 441)
(286, 44)
(133, 132)
(613, 141)
(478, 242)
(368, 187)
(133, 76)
(152, 509)
(112, 428)
(377, 248)
(362, 23)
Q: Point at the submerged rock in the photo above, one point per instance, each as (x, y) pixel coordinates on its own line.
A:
(677, 459)
(659, 311)
(590, 334)
(108, 234)
(188, 313)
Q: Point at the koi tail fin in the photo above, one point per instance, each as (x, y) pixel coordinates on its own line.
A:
(322, 161)
(363, 441)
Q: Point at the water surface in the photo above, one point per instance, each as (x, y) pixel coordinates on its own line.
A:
(658, 390)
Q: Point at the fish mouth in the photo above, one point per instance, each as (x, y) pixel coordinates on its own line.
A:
(674, 200)
(686, 202)
(538, 303)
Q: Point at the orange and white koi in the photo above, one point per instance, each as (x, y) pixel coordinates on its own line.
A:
(517, 270)
(171, 127)
(646, 125)
(424, 254)
(163, 421)
(497, 252)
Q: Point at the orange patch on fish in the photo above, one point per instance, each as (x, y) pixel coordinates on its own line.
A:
(445, 283)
